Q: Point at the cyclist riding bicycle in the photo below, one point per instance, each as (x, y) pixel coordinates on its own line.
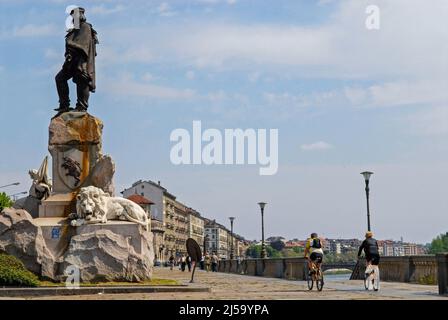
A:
(370, 247)
(314, 248)
(372, 272)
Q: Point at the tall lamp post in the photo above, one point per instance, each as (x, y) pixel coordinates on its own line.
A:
(263, 246)
(205, 244)
(231, 237)
(11, 184)
(367, 175)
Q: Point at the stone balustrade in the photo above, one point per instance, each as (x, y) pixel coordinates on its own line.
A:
(288, 268)
(413, 269)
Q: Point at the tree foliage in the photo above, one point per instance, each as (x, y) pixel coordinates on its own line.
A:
(254, 251)
(278, 245)
(439, 244)
(14, 273)
(5, 201)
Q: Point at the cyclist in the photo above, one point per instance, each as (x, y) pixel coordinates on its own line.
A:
(314, 248)
(370, 247)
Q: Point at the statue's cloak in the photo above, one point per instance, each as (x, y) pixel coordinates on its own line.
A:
(82, 44)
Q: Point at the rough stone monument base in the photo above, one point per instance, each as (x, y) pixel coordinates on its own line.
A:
(115, 251)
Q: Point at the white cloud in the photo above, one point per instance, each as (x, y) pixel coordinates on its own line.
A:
(32, 30)
(254, 76)
(211, 2)
(429, 122)
(103, 10)
(320, 145)
(190, 75)
(53, 54)
(127, 86)
(147, 76)
(399, 93)
(133, 54)
(165, 10)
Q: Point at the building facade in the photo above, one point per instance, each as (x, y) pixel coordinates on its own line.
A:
(196, 227)
(157, 228)
(170, 216)
(217, 239)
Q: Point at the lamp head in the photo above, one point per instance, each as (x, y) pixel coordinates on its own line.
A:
(262, 205)
(366, 175)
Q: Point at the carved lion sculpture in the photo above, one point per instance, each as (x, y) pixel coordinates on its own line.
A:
(96, 206)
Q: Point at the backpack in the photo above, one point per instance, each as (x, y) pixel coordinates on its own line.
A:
(316, 243)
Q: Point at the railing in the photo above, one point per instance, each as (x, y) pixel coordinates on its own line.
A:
(413, 269)
(288, 268)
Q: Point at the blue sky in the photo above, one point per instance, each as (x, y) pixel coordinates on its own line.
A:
(343, 98)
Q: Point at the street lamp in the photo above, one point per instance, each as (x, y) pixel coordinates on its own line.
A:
(14, 196)
(263, 247)
(231, 236)
(367, 175)
(205, 244)
(11, 184)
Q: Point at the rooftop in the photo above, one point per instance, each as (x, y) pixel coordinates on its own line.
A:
(139, 199)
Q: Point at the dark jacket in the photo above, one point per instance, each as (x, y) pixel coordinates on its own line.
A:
(370, 247)
(80, 45)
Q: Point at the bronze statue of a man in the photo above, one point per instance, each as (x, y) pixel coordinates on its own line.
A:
(79, 65)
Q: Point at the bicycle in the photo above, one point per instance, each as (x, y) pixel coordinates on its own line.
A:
(316, 276)
(372, 277)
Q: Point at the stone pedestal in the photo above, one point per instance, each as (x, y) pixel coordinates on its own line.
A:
(75, 146)
(57, 233)
(58, 205)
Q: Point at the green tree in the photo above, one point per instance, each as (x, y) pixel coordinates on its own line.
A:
(5, 201)
(254, 251)
(277, 245)
(439, 244)
(273, 253)
(298, 250)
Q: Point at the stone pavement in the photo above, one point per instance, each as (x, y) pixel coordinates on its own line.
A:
(232, 286)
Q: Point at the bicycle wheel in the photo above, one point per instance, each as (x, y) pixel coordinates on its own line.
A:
(376, 280)
(319, 281)
(366, 281)
(310, 282)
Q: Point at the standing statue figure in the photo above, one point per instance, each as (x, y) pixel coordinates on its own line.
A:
(79, 65)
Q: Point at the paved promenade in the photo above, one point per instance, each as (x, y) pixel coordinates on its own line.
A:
(231, 286)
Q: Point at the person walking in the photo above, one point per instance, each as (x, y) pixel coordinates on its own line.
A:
(215, 260)
(188, 260)
(201, 263)
(207, 261)
(183, 262)
(171, 260)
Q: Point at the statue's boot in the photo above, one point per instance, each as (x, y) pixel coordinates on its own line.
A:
(61, 111)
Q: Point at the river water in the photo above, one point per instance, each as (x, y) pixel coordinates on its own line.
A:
(337, 277)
